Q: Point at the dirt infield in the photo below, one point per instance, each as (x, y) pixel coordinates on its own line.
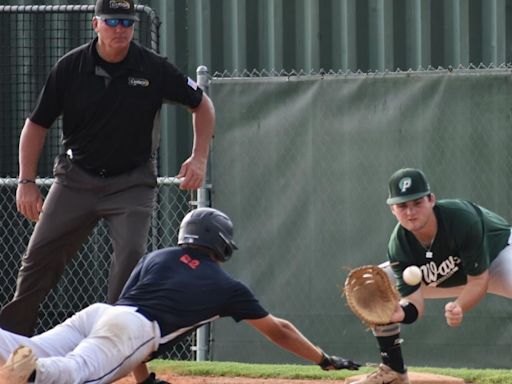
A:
(415, 378)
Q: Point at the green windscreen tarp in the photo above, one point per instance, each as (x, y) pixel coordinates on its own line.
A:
(301, 165)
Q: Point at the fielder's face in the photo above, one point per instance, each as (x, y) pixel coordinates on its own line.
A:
(114, 41)
(415, 215)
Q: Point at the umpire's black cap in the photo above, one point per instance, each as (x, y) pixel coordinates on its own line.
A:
(407, 184)
(116, 9)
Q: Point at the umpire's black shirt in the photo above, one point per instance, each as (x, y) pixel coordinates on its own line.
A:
(110, 111)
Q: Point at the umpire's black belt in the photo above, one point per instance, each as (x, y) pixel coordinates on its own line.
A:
(99, 172)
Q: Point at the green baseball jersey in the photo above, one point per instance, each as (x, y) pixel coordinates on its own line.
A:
(468, 239)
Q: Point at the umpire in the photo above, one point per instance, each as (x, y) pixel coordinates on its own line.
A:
(109, 93)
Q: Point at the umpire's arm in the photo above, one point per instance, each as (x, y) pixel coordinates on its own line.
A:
(193, 170)
(29, 201)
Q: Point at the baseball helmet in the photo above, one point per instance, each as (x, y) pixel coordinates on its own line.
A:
(209, 228)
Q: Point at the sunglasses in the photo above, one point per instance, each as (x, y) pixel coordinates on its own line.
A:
(127, 23)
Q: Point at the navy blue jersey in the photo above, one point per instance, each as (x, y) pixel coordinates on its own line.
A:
(181, 288)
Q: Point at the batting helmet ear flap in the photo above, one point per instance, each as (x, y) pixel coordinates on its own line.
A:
(229, 248)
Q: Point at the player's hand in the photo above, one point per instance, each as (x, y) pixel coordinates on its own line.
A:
(453, 313)
(193, 172)
(29, 201)
(330, 363)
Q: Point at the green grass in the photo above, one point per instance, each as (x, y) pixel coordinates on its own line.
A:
(284, 371)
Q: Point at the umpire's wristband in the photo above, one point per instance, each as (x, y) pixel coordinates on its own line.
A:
(26, 181)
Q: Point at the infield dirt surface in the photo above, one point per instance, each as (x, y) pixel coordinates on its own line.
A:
(415, 378)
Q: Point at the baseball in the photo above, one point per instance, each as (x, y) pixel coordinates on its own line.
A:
(412, 275)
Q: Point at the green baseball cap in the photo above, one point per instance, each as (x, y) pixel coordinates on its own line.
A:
(407, 184)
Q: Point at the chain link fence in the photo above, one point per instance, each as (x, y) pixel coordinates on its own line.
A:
(85, 279)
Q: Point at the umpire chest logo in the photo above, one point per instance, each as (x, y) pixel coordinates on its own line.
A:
(138, 82)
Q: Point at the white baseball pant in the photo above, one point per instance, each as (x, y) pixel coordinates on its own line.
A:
(99, 344)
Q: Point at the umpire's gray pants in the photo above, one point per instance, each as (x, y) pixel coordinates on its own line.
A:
(74, 205)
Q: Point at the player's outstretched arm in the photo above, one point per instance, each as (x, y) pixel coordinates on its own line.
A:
(287, 336)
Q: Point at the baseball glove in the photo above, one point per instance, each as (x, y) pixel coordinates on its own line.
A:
(370, 295)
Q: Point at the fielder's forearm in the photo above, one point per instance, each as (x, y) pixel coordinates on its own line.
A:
(419, 302)
(473, 292)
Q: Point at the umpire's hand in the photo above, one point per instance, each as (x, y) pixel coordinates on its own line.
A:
(193, 172)
(29, 201)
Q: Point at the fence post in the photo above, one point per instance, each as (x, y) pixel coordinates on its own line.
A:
(203, 200)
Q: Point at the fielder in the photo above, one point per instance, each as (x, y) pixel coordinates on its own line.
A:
(170, 293)
(462, 249)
